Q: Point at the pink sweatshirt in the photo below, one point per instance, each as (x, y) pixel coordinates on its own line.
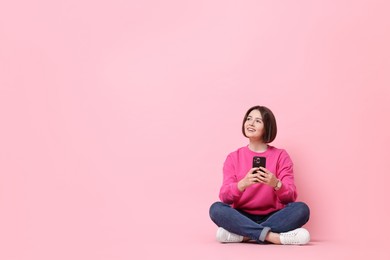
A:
(258, 199)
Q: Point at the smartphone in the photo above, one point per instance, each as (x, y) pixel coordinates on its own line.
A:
(258, 161)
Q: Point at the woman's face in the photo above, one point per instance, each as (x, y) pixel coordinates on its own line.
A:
(254, 126)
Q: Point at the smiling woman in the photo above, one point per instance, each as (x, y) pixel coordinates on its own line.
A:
(256, 118)
(258, 202)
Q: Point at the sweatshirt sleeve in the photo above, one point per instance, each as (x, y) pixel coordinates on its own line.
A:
(229, 192)
(285, 173)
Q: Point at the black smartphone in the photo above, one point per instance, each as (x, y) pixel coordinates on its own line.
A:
(258, 161)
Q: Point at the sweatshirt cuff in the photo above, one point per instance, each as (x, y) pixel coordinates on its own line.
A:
(235, 191)
(281, 190)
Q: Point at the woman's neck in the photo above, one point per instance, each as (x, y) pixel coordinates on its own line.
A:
(257, 146)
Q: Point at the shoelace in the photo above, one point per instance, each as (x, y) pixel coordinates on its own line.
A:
(291, 238)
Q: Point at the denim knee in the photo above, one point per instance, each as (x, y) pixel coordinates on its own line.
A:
(303, 210)
(215, 210)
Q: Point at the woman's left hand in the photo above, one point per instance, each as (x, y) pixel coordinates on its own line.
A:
(268, 177)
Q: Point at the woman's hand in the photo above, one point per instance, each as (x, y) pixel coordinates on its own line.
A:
(252, 177)
(268, 177)
(255, 176)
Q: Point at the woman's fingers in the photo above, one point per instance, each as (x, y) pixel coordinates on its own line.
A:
(265, 177)
(260, 175)
(257, 177)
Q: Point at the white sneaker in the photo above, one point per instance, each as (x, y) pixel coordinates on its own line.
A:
(225, 236)
(299, 236)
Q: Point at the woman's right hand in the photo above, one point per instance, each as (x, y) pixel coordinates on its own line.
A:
(252, 177)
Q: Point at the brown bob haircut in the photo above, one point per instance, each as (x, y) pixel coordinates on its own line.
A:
(269, 121)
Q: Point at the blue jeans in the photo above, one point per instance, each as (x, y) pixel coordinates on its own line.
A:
(256, 227)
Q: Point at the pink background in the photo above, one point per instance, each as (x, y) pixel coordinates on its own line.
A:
(116, 117)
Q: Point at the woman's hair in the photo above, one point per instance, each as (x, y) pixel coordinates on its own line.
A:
(269, 121)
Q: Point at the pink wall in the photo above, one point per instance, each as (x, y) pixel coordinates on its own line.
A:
(116, 117)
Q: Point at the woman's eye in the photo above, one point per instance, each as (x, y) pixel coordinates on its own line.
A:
(248, 118)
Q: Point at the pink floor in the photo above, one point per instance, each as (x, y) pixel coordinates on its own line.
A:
(210, 249)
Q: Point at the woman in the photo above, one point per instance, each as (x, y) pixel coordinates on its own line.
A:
(258, 203)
